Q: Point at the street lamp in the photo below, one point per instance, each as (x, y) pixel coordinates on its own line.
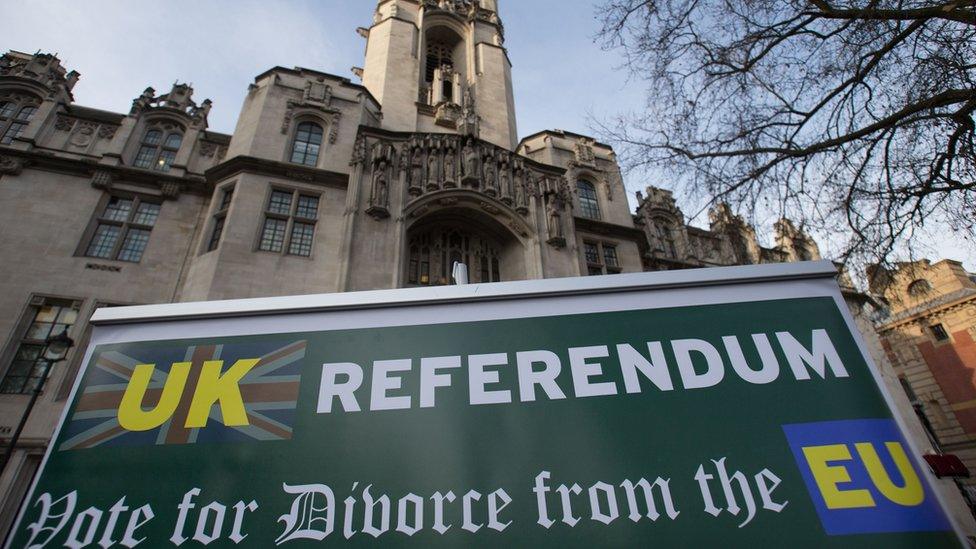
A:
(56, 345)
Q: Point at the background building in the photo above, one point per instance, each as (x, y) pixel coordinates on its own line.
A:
(326, 185)
(927, 333)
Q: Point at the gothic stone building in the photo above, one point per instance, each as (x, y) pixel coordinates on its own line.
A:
(326, 185)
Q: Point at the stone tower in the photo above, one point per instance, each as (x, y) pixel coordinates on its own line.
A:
(440, 66)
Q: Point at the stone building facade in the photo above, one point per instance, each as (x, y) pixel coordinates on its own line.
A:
(326, 185)
(928, 333)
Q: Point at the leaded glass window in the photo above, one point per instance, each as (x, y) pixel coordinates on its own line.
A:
(220, 217)
(121, 230)
(158, 150)
(47, 317)
(589, 204)
(601, 258)
(289, 224)
(11, 126)
(308, 142)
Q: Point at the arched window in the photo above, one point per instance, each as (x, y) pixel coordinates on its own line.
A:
(158, 150)
(589, 205)
(14, 117)
(308, 141)
(919, 288)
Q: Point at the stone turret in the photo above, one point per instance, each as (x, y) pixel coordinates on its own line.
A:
(435, 88)
(795, 242)
(740, 235)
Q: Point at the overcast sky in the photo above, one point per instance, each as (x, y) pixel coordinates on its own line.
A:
(121, 46)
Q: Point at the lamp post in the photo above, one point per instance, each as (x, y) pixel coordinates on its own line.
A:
(57, 345)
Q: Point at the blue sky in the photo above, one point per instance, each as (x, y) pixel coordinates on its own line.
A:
(122, 46)
(562, 78)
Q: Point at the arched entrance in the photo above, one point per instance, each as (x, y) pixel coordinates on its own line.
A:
(491, 252)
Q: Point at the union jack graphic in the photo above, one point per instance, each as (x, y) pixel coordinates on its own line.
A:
(269, 391)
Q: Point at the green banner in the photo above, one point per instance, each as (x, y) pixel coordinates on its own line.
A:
(735, 425)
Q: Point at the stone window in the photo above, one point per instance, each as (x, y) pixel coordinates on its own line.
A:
(601, 258)
(434, 251)
(289, 223)
(121, 229)
(220, 217)
(46, 317)
(939, 332)
(14, 117)
(919, 288)
(158, 150)
(589, 204)
(307, 143)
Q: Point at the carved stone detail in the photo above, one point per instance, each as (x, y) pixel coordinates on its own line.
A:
(10, 165)
(102, 179)
(64, 123)
(170, 189)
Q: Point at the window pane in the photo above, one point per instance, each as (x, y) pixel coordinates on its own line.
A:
(153, 137)
(308, 139)
(117, 209)
(225, 201)
(7, 109)
(173, 141)
(38, 331)
(27, 366)
(47, 313)
(146, 214)
(308, 207)
(301, 239)
(592, 254)
(134, 245)
(26, 113)
(589, 206)
(166, 159)
(103, 242)
(280, 202)
(146, 157)
(273, 235)
(67, 316)
(610, 254)
(28, 353)
(13, 132)
(218, 230)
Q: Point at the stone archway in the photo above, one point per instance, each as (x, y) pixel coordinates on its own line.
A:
(489, 249)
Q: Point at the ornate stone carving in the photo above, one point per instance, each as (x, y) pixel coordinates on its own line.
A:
(379, 201)
(10, 165)
(433, 171)
(447, 114)
(491, 176)
(64, 123)
(107, 131)
(170, 189)
(472, 170)
(208, 149)
(334, 127)
(554, 220)
(102, 179)
(585, 155)
(415, 187)
(84, 134)
(359, 151)
(450, 168)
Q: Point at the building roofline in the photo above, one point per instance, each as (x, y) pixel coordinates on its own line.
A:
(563, 133)
(90, 113)
(297, 71)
